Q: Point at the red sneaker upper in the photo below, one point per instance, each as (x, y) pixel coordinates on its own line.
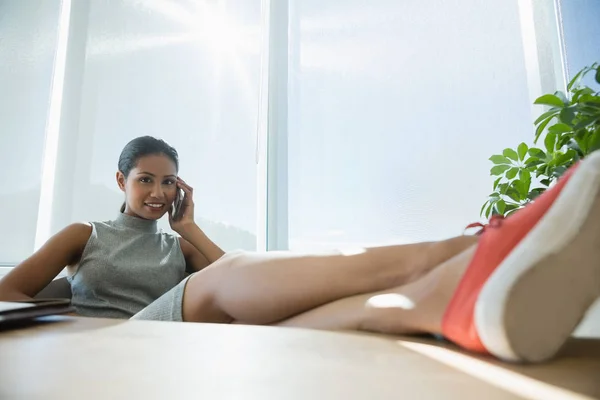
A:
(497, 240)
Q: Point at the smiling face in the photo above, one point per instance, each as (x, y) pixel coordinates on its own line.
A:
(150, 186)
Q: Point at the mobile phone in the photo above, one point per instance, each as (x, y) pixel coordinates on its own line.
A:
(176, 210)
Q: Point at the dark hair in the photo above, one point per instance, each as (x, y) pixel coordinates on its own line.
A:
(144, 146)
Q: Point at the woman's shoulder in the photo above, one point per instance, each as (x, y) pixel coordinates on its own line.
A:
(78, 232)
(73, 237)
(79, 228)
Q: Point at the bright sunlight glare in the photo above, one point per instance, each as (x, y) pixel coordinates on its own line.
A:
(390, 300)
(502, 378)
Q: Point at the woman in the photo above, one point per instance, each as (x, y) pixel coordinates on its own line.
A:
(517, 291)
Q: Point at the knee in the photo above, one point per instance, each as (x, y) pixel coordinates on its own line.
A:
(200, 301)
(205, 291)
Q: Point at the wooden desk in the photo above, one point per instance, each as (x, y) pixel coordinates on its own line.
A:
(78, 358)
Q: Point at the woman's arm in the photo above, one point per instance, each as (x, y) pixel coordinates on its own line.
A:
(197, 238)
(192, 234)
(32, 275)
(194, 259)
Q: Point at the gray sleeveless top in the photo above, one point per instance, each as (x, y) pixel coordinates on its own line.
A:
(126, 265)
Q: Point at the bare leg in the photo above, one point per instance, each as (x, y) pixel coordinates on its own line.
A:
(265, 288)
(417, 307)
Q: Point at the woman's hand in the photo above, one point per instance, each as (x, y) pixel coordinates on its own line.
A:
(185, 225)
(185, 216)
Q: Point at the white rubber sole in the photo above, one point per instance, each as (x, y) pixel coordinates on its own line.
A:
(534, 300)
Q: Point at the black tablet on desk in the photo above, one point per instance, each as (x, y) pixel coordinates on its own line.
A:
(11, 312)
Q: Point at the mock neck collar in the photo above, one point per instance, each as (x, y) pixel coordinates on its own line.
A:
(139, 224)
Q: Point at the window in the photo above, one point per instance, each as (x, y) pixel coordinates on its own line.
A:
(186, 72)
(380, 115)
(579, 20)
(394, 110)
(28, 36)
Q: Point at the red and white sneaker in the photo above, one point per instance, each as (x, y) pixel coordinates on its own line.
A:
(534, 275)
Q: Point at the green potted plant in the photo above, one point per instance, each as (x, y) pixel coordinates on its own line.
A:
(571, 130)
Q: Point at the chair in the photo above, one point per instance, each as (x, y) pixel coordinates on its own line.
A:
(57, 289)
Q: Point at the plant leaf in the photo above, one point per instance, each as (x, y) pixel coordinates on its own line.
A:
(575, 79)
(532, 162)
(500, 206)
(581, 92)
(567, 115)
(496, 184)
(598, 74)
(562, 141)
(499, 169)
(513, 194)
(512, 173)
(559, 171)
(538, 153)
(582, 138)
(525, 178)
(502, 188)
(594, 141)
(498, 159)
(573, 145)
(547, 114)
(483, 208)
(535, 193)
(562, 97)
(565, 158)
(540, 129)
(549, 100)
(589, 103)
(510, 153)
(546, 182)
(550, 142)
(489, 209)
(541, 170)
(522, 188)
(522, 150)
(560, 128)
(585, 122)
